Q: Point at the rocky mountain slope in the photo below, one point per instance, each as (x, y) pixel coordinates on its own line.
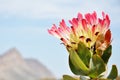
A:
(14, 67)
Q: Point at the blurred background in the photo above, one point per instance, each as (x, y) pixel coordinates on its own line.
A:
(24, 24)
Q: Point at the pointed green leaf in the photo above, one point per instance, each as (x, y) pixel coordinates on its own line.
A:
(77, 62)
(97, 66)
(106, 54)
(84, 53)
(114, 73)
(67, 77)
(75, 70)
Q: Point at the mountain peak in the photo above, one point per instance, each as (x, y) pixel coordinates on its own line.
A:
(15, 67)
(11, 55)
(12, 52)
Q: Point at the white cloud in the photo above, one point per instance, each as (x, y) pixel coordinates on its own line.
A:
(57, 8)
(26, 8)
(51, 8)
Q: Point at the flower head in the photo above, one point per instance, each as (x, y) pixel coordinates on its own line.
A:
(88, 41)
(94, 32)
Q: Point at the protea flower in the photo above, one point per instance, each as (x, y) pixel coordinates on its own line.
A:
(92, 31)
(88, 41)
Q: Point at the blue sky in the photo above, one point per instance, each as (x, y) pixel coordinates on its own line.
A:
(24, 24)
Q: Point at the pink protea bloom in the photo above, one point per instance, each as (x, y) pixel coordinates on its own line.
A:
(92, 31)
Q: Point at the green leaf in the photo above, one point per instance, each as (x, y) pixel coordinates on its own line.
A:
(84, 53)
(67, 77)
(114, 73)
(106, 54)
(77, 62)
(97, 66)
(75, 70)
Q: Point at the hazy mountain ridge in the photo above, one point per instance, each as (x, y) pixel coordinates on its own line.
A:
(14, 67)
